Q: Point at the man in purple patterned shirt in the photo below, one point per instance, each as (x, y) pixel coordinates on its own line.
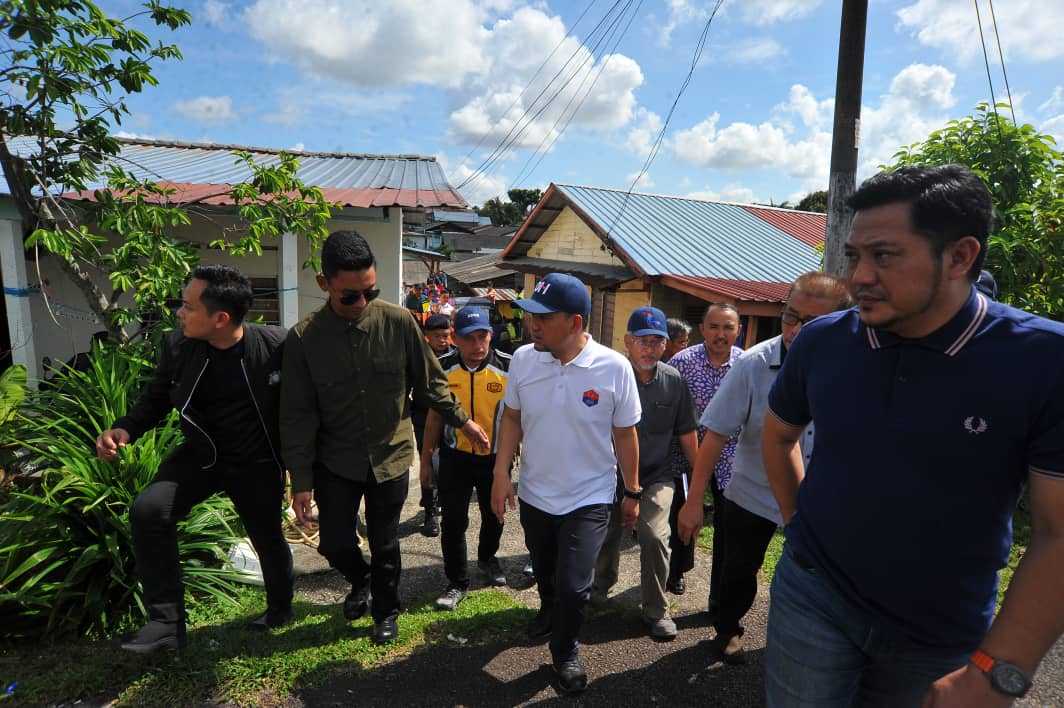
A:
(703, 367)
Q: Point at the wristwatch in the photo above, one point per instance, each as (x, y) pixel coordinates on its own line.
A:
(1004, 677)
(637, 494)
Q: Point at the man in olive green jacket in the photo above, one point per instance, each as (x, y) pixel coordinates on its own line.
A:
(348, 373)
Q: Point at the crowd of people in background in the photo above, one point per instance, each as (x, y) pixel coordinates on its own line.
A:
(935, 407)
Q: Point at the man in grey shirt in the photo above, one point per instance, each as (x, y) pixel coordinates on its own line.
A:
(668, 413)
(749, 514)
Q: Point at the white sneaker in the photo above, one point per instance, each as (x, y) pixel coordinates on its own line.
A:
(451, 597)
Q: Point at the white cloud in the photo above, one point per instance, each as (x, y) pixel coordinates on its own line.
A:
(1055, 102)
(481, 188)
(211, 110)
(298, 147)
(681, 13)
(644, 132)
(133, 136)
(1029, 29)
(768, 12)
(914, 106)
(752, 51)
(434, 42)
(1055, 127)
(293, 103)
(645, 182)
(505, 97)
(217, 14)
(730, 193)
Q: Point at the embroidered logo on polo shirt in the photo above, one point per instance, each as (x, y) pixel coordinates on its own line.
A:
(591, 398)
(975, 426)
(494, 387)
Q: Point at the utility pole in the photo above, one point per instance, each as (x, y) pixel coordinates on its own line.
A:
(846, 133)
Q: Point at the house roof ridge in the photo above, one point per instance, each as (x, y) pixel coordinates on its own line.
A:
(270, 151)
(687, 199)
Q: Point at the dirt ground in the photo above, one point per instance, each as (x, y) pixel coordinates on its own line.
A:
(625, 667)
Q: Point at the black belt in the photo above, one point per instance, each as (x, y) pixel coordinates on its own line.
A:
(803, 562)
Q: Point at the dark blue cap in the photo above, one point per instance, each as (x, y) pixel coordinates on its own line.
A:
(557, 292)
(469, 319)
(648, 321)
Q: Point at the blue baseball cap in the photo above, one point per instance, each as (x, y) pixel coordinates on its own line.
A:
(557, 292)
(469, 319)
(648, 321)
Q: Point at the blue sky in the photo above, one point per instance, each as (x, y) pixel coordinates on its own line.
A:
(439, 77)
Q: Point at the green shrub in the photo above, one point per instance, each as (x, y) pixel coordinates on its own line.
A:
(66, 559)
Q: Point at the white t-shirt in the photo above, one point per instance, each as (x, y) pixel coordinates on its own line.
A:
(568, 413)
(446, 308)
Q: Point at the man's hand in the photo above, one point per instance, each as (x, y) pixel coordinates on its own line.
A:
(426, 472)
(109, 441)
(629, 512)
(477, 437)
(689, 520)
(301, 505)
(502, 495)
(965, 687)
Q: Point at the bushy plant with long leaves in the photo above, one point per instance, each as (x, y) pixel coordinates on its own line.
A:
(66, 559)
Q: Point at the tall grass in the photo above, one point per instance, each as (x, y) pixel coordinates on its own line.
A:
(66, 560)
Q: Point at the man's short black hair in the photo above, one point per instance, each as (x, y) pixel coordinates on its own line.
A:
(227, 290)
(345, 250)
(946, 203)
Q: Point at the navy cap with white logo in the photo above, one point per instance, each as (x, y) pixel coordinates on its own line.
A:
(558, 292)
(648, 321)
(469, 319)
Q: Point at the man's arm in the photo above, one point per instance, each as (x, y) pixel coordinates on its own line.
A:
(691, 513)
(1031, 617)
(783, 462)
(508, 438)
(152, 405)
(300, 419)
(429, 440)
(689, 446)
(626, 443)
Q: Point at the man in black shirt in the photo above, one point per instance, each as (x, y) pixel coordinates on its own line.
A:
(223, 376)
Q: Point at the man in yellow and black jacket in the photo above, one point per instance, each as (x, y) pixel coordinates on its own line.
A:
(476, 376)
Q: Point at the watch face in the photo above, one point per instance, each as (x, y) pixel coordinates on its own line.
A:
(1008, 679)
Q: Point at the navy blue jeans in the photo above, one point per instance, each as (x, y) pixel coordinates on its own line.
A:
(823, 651)
(563, 549)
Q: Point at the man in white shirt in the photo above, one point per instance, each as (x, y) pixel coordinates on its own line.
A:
(573, 402)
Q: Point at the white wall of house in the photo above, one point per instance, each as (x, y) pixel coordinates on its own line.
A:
(58, 335)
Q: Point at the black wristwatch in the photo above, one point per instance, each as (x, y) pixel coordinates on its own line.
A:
(637, 494)
(1004, 677)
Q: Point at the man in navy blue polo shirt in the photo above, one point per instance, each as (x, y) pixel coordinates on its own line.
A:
(927, 431)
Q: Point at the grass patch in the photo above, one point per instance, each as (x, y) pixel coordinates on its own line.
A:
(225, 662)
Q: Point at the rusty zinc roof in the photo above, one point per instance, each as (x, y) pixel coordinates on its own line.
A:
(203, 171)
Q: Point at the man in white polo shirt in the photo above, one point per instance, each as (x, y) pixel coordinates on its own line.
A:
(573, 402)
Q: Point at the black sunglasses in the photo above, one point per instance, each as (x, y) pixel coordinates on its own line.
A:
(350, 297)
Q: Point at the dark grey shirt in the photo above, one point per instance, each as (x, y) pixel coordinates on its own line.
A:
(667, 412)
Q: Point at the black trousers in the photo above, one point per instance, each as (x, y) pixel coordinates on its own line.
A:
(460, 473)
(563, 550)
(719, 544)
(681, 555)
(338, 501)
(429, 495)
(748, 538)
(256, 490)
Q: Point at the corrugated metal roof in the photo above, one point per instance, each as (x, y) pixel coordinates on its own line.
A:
(809, 227)
(201, 171)
(736, 289)
(476, 270)
(680, 236)
(501, 294)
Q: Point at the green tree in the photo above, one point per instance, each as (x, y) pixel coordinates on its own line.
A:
(513, 212)
(814, 201)
(1025, 173)
(76, 67)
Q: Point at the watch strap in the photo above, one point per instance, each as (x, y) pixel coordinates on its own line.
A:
(983, 661)
(633, 494)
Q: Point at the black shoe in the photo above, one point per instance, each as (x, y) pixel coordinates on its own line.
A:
(677, 586)
(571, 676)
(431, 526)
(712, 610)
(493, 572)
(271, 619)
(153, 637)
(540, 626)
(385, 631)
(356, 603)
